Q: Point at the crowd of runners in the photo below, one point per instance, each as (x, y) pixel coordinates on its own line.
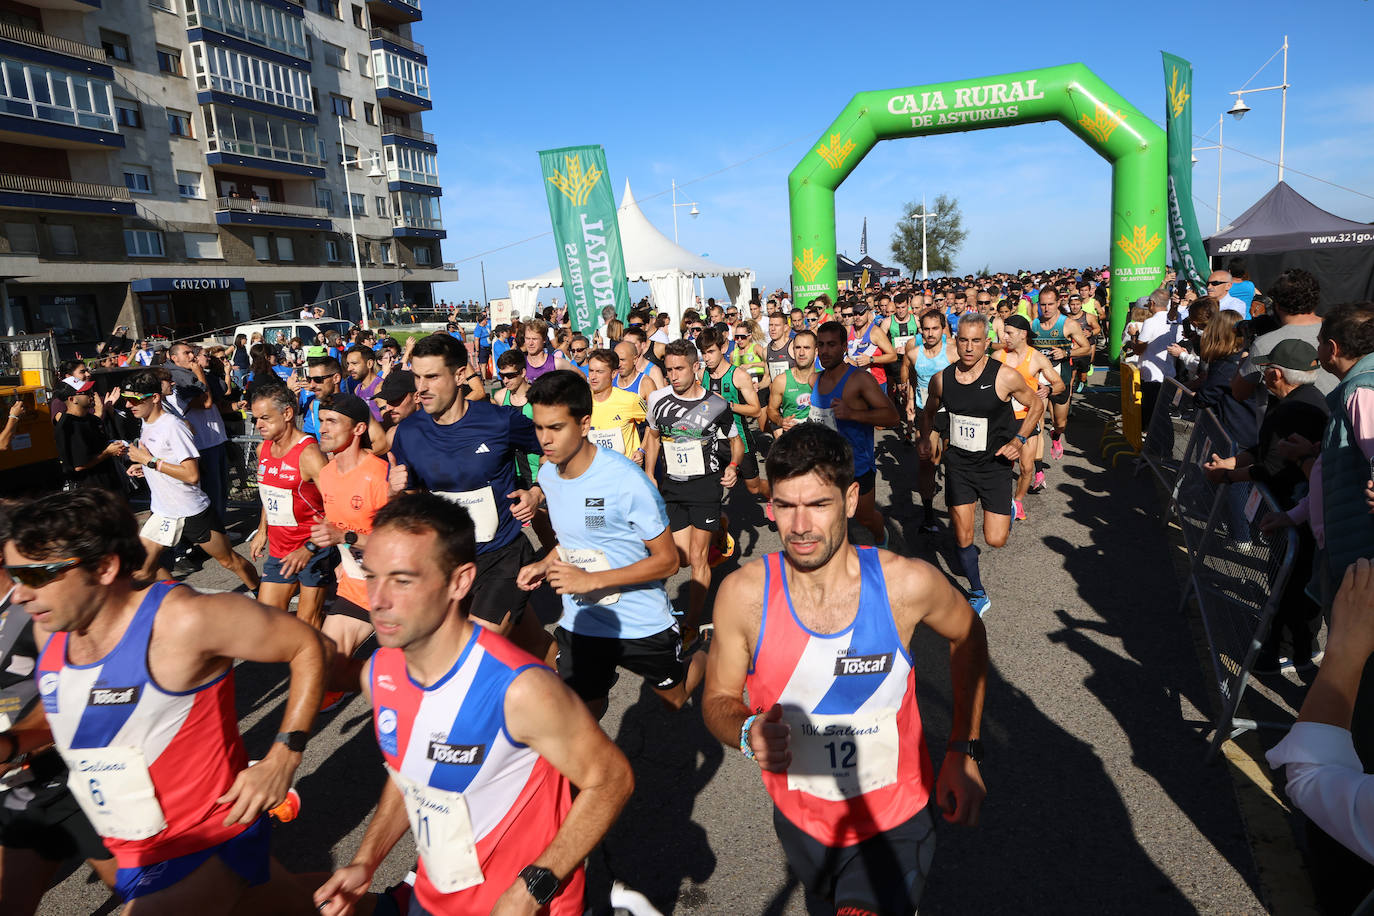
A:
(420, 509)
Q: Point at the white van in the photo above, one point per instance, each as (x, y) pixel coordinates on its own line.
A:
(281, 331)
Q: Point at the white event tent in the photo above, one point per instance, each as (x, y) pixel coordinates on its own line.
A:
(650, 256)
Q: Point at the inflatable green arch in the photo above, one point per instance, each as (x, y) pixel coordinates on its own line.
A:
(1071, 94)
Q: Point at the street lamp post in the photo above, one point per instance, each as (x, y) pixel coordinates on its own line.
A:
(1221, 131)
(374, 172)
(1240, 109)
(693, 213)
(923, 216)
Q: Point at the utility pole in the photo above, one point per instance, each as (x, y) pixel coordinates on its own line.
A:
(483, 266)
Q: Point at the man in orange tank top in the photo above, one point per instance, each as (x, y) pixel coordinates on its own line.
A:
(818, 636)
(1040, 374)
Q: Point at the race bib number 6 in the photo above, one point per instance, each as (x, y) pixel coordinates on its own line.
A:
(113, 787)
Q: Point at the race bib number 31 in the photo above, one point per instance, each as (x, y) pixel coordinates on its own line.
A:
(840, 757)
(684, 457)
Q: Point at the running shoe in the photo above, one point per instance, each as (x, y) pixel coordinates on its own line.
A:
(1020, 510)
(980, 601)
(1038, 486)
(930, 525)
(1057, 448)
(768, 511)
(718, 556)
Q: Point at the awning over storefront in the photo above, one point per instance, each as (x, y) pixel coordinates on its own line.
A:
(186, 284)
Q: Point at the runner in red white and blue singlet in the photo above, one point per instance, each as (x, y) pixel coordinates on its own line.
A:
(859, 762)
(481, 806)
(117, 729)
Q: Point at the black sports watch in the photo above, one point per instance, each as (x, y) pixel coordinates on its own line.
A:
(972, 748)
(540, 882)
(350, 538)
(294, 741)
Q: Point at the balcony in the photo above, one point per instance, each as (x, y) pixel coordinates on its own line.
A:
(51, 107)
(29, 193)
(402, 80)
(235, 211)
(416, 226)
(409, 133)
(43, 48)
(389, 37)
(403, 10)
(275, 29)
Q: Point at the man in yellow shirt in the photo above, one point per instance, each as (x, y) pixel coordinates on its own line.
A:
(617, 413)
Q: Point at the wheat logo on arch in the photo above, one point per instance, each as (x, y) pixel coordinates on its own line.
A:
(1102, 124)
(808, 265)
(576, 184)
(835, 154)
(1138, 249)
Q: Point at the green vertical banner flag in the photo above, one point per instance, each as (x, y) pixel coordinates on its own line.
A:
(1190, 258)
(587, 233)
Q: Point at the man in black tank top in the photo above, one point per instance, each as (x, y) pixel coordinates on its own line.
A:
(984, 442)
(779, 353)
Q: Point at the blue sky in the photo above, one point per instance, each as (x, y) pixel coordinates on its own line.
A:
(682, 91)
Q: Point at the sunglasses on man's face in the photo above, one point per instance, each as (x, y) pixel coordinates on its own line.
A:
(37, 575)
(846, 314)
(1216, 282)
(133, 397)
(508, 375)
(318, 379)
(985, 302)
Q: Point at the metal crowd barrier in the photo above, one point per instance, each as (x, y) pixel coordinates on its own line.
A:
(243, 470)
(1193, 498)
(1237, 576)
(1168, 433)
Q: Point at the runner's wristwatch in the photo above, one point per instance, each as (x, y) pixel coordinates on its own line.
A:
(351, 538)
(540, 882)
(973, 749)
(294, 741)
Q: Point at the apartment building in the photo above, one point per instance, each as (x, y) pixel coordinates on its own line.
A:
(179, 166)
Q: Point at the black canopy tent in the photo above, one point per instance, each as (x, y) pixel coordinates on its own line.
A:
(1284, 229)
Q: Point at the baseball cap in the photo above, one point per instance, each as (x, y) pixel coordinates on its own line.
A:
(1298, 355)
(350, 405)
(79, 387)
(396, 386)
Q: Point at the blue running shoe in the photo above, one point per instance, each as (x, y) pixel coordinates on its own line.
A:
(980, 602)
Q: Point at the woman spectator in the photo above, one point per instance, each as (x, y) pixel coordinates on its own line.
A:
(1221, 349)
(242, 362)
(293, 354)
(614, 329)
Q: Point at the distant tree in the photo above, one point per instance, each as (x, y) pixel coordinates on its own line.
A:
(944, 234)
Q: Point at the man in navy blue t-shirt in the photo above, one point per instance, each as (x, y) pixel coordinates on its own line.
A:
(466, 451)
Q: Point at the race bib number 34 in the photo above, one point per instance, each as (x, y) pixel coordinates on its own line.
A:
(840, 757)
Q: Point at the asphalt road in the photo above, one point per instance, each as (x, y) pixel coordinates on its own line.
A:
(1098, 800)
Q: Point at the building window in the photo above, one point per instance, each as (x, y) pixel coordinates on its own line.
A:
(262, 248)
(341, 106)
(202, 246)
(138, 179)
(369, 113)
(422, 256)
(330, 8)
(381, 205)
(386, 253)
(128, 114)
(324, 199)
(285, 250)
(331, 250)
(179, 123)
(359, 204)
(56, 96)
(358, 16)
(284, 300)
(335, 56)
(165, 5)
(143, 243)
(254, 21)
(365, 64)
(169, 61)
(63, 240)
(248, 133)
(23, 237)
(350, 155)
(189, 184)
(116, 45)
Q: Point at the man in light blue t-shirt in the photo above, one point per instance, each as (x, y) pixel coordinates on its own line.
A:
(614, 552)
